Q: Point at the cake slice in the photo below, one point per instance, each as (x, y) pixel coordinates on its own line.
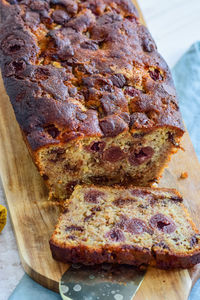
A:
(136, 226)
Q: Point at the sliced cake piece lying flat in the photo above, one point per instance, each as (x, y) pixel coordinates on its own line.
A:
(137, 226)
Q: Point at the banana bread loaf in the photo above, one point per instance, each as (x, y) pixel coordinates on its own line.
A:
(94, 99)
(128, 226)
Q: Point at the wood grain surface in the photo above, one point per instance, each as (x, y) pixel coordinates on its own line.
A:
(34, 217)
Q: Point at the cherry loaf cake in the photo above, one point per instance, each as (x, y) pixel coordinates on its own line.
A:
(137, 226)
(94, 99)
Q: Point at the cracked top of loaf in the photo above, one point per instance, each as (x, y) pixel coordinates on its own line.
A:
(83, 68)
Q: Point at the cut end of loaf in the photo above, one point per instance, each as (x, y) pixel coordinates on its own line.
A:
(137, 158)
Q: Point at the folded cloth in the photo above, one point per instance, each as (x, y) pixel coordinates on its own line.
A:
(186, 74)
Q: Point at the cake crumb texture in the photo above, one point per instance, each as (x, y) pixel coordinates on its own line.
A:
(184, 175)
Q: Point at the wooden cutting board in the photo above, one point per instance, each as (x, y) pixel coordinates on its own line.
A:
(34, 217)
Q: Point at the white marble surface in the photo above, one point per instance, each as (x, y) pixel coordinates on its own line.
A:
(174, 25)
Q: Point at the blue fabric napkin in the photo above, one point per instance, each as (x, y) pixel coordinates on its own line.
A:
(186, 74)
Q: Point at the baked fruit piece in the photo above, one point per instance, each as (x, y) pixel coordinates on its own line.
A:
(136, 226)
(94, 99)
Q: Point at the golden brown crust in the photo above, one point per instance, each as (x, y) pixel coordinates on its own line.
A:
(74, 69)
(123, 255)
